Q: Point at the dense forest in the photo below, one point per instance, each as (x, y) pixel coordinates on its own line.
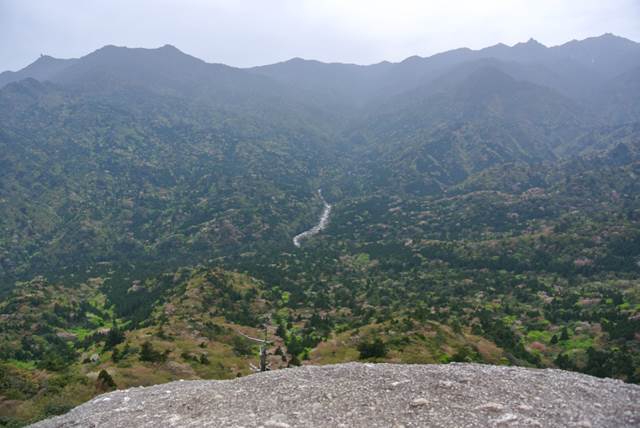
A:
(485, 208)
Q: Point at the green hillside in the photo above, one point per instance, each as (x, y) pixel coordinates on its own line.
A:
(485, 206)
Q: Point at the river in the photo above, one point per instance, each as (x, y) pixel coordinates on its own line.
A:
(322, 223)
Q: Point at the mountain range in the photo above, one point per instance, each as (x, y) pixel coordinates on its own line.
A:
(485, 207)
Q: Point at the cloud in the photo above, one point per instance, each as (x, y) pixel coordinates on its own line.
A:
(251, 32)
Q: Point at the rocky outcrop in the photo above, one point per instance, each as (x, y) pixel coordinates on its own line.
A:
(371, 395)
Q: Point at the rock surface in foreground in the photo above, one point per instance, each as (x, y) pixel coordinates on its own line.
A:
(368, 395)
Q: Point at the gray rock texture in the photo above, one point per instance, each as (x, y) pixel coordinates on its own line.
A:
(371, 395)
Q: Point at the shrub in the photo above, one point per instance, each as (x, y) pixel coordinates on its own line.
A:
(241, 346)
(105, 382)
(375, 349)
(148, 353)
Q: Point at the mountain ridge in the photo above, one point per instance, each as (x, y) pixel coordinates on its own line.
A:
(573, 43)
(485, 208)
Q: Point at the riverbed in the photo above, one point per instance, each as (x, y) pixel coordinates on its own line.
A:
(321, 225)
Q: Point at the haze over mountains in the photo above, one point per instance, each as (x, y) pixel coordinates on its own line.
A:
(569, 68)
(415, 127)
(485, 207)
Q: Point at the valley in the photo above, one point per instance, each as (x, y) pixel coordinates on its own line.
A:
(476, 206)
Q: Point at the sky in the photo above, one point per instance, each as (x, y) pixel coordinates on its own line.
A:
(254, 32)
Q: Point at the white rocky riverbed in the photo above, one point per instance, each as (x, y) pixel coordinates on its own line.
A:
(322, 223)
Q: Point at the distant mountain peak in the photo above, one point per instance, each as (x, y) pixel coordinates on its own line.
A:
(44, 60)
(43, 68)
(531, 43)
(610, 36)
(497, 48)
(412, 58)
(108, 48)
(169, 48)
(300, 60)
(113, 54)
(604, 38)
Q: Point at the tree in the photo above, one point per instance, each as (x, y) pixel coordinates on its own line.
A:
(565, 334)
(148, 353)
(105, 382)
(115, 336)
(294, 361)
(375, 349)
(281, 331)
(564, 362)
(241, 346)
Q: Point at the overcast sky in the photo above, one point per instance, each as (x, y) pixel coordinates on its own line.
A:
(254, 32)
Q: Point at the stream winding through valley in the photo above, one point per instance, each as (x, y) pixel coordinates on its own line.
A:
(322, 223)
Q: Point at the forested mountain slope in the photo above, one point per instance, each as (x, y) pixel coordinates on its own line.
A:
(485, 207)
